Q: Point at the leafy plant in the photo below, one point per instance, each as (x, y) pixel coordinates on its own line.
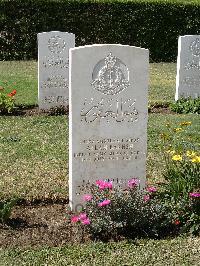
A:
(182, 162)
(7, 103)
(114, 213)
(181, 189)
(6, 209)
(185, 106)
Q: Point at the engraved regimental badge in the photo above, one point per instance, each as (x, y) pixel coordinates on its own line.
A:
(195, 47)
(110, 76)
(56, 44)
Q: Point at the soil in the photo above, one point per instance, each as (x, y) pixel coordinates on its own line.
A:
(34, 111)
(161, 110)
(39, 224)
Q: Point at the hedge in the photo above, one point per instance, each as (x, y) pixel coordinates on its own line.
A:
(155, 25)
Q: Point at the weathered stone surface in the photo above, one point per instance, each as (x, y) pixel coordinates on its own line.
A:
(188, 67)
(53, 68)
(108, 116)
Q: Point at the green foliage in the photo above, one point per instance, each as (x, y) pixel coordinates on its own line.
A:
(6, 209)
(6, 104)
(182, 183)
(185, 106)
(130, 213)
(155, 25)
(182, 162)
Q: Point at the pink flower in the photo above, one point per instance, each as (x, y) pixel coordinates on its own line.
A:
(86, 221)
(82, 216)
(109, 185)
(74, 219)
(194, 195)
(177, 222)
(87, 197)
(134, 182)
(146, 198)
(151, 189)
(99, 182)
(104, 184)
(104, 203)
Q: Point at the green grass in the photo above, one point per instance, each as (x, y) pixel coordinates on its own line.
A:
(24, 73)
(179, 251)
(34, 156)
(34, 152)
(34, 164)
(162, 82)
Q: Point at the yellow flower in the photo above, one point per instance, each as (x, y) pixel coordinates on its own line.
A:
(190, 153)
(196, 159)
(177, 157)
(186, 123)
(178, 129)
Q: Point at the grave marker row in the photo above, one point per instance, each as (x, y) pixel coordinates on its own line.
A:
(53, 68)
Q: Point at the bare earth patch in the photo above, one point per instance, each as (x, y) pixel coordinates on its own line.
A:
(34, 111)
(38, 225)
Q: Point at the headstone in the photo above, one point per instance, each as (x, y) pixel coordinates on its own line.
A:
(188, 67)
(108, 116)
(53, 68)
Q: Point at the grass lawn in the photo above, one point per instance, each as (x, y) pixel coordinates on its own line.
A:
(24, 73)
(34, 164)
(34, 152)
(178, 251)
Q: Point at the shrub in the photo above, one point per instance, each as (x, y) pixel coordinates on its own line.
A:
(7, 104)
(185, 106)
(114, 213)
(152, 24)
(182, 187)
(182, 162)
(6, 209)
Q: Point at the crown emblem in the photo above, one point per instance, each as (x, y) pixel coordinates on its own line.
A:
(56, 44)
(110, 76)
(195, 47)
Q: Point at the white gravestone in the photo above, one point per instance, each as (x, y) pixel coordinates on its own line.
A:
(188, 67)
(53, 68)
(108, 116)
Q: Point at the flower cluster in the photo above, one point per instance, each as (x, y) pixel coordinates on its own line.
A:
(82, 218)
(7, 104)
(103, 200)
(134, 182)
(103, 184)
(190, 155)
(151, 191)
(194, 195)
(12, 93)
